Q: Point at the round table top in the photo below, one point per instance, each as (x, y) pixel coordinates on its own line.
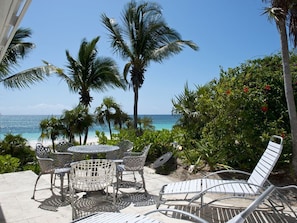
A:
(91, 149)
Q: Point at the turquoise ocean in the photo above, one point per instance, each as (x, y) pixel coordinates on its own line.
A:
(28, 126)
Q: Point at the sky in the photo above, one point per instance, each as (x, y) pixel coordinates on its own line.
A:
(228, 33)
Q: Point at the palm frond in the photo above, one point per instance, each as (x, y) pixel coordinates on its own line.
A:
(26, 78)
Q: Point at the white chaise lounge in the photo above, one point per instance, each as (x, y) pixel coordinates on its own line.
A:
(257, 181)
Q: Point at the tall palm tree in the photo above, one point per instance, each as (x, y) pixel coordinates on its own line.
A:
(17, 50)
(144, 37)
(285, 12)
(90, 72)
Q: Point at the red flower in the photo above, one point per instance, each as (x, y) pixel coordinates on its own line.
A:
(246, 89)
(228, 92)
(283, 135)
(264, 108)
(267, 88)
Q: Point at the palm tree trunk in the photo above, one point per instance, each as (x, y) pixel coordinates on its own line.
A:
(109, 127)
(86, 136)
(135, 88)
(53, 143)
(289, 91)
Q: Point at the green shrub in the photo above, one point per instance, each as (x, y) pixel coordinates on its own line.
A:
(229, 120)
(17, 146)
(8, 164)
(161, 141)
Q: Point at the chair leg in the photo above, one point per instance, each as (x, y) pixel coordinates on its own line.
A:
(52, 176)
(68, 180)
(118, 181)
(33, 197)
(143, 182)
(134, 177)
(62, 186)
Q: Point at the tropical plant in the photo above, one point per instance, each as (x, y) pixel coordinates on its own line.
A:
(145, 123)
(234, 116)
(284, 14)
(51, 129)
(90, 72)
(143, 38)
(121, 119)
(17, 147)
(8, 164)
(77, 122)
(106, 112)
(17, 50)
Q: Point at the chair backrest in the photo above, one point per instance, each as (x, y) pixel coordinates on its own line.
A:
(92, 174)
(62, 159)
(44, 158)
(267, 162)
(124, 146)
(63, 146)
(42, 151)
(146, 150)
(136, 162)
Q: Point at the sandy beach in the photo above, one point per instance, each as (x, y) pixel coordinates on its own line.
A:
(47, 142)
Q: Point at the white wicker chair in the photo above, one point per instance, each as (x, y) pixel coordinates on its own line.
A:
(132, 161)
(63, 146)
(91, 175)
(125, 146)
(53, 164)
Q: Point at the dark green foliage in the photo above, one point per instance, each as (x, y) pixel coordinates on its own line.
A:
(229, 121)
(161, 141)
(16, 146)
(8, 164)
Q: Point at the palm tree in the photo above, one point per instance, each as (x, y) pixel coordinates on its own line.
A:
(144, 37)
(17, 50)
(90, 72)
(107, 112)
(121, 118)
(77, 122)
(145, 123)
(51, 129)
(284, 12)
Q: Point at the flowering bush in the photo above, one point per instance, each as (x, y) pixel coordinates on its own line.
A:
(237, 113)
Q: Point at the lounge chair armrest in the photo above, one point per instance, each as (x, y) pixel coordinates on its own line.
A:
(254, 189)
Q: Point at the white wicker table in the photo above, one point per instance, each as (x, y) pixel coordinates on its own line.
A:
(92, 149)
